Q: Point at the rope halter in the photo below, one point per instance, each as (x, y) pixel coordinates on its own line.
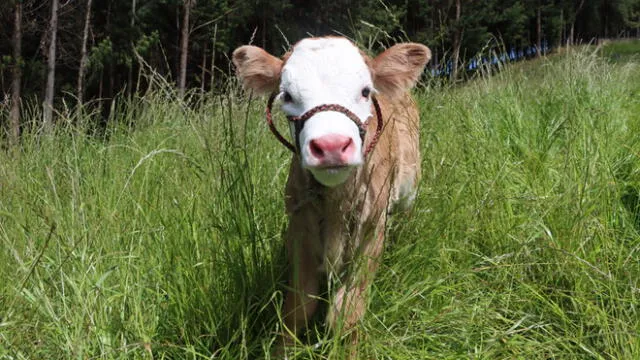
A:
(299, 121)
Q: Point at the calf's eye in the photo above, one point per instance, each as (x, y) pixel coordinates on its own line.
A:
(287, 97)
(366, 92)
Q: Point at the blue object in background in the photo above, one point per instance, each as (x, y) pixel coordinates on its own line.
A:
(514, 54)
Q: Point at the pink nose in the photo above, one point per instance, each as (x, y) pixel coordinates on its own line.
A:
(332, 149)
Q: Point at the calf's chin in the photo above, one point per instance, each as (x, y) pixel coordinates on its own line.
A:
(332, 176)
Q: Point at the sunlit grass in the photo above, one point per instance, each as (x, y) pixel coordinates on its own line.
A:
(622, 51)
(161, 238)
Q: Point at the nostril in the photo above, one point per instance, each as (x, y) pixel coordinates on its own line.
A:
(316, 150)
(347, 146)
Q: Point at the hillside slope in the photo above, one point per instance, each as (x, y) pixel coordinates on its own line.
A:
(162, 239)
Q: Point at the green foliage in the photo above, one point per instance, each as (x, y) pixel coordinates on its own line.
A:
(152, 29)
(146, 43)
(100, 54)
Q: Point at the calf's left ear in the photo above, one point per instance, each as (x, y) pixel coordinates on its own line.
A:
(399, 67)
(258, 70)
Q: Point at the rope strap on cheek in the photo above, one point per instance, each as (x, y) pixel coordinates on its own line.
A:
(376, 136)
(272, 127)
(362, 126)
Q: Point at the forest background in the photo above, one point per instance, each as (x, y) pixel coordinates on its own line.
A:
(58, 53)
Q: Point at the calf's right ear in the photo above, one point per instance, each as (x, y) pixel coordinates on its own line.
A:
(257, 69)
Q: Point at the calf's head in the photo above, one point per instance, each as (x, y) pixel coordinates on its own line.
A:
(321, 71)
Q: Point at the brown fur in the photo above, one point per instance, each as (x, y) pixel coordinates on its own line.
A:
(399, 67)
(339, 232)
(259, 70)
(333, 229)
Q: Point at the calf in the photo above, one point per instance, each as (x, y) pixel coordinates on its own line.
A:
(356, 159)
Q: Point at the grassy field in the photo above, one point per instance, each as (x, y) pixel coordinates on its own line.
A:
(622, 51)
(162, 239)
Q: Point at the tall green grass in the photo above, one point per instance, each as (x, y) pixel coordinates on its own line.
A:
(622, 50)
(162, 237)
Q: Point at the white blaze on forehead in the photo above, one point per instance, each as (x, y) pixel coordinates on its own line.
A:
(325, 70)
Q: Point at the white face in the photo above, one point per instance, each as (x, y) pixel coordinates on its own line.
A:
(327, 71)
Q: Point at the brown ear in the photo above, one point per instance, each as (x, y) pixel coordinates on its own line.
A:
(399, 67)
(257, 69)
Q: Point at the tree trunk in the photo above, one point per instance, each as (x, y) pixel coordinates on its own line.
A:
(16, 81)
(203, 67)
(457, 42)
(213, 58)
(184, 47)
(264, 27)
(130, 74)
(47, 106)
(110, 86)
(83, 52)
(570, 39)
(605, 23)
(101, 86)
(539, 31)
(562, 28)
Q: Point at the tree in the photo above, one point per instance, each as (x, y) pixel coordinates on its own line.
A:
(93, 52)
(576, 8)
(16, 81)
(539, 28)
(184, 46)
(457, 41)
(47, 106)
(130, 72)
(83, 54)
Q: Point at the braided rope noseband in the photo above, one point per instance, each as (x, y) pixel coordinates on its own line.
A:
(299, 121)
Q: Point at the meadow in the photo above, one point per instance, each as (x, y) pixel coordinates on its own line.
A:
(161, 236)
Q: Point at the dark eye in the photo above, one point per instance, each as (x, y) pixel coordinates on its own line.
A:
(287, 97)
(366, 92)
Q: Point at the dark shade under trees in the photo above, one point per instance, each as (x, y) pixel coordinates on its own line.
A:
(97, 50)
